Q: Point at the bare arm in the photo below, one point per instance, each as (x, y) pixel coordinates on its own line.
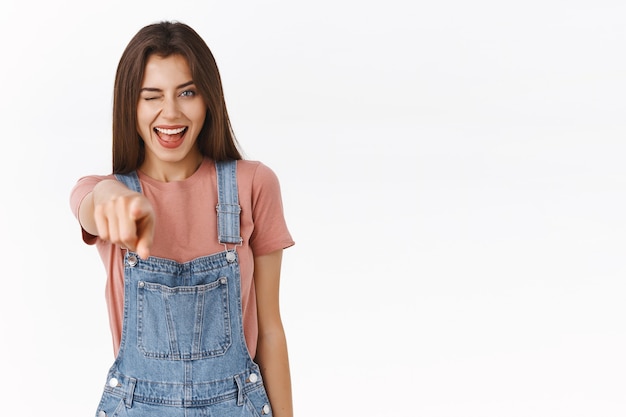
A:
(119, 215)
(272, 344)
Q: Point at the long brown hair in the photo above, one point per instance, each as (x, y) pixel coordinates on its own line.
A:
(216, 139)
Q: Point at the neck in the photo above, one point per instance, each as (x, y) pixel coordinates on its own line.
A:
(166, 171)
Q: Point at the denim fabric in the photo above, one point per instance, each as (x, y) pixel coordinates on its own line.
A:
(183, 351)
(228, 208)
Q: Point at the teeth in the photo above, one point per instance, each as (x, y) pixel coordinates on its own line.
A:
(170, 131)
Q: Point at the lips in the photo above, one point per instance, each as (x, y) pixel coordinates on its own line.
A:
(170, 137)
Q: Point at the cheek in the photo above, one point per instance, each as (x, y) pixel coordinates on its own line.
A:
(201, 118)
(197, 112)
(142, 112)
(144, 120)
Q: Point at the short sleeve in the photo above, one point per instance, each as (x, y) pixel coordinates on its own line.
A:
(83, 187)
(270, 228)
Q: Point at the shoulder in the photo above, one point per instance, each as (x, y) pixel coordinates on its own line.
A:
(256, 173)
(92, 180)
(83, 186)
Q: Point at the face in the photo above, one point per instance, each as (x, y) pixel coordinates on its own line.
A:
(170, 115)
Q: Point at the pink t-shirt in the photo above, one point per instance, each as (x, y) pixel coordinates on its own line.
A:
(186, 228)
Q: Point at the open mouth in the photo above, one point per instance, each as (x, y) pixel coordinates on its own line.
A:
(170, 138)
(170, 134)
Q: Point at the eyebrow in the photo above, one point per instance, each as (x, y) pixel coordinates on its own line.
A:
(151, 89)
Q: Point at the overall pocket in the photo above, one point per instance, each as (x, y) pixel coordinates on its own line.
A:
(187, 322)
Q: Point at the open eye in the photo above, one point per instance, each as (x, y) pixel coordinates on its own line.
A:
(188, 93)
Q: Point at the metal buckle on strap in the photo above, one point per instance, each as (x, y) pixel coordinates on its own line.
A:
(231, 253)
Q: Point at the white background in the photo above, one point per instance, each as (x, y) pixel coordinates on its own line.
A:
(452, 172)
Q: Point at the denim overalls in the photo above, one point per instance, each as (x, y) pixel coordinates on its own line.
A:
(183, 352)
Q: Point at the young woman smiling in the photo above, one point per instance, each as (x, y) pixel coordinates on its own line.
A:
(191, 237)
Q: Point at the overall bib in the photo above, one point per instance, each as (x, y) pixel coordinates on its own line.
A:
(183, 351)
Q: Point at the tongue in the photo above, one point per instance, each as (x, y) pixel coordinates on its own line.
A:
(171, 138)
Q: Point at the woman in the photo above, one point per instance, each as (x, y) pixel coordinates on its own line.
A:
(191, 237)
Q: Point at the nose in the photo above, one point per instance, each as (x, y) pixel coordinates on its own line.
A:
(171, 109)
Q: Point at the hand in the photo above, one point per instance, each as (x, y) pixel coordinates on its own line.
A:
(123, 217)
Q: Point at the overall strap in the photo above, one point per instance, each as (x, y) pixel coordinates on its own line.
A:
(228, 208)
(131, 180)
